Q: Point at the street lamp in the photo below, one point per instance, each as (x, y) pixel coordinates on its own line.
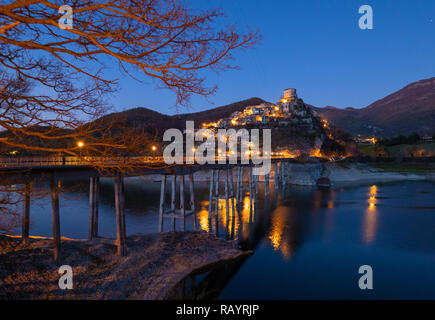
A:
(154, 148)
(80, 144)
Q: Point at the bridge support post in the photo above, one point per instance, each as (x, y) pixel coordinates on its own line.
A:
(162, 202)
(192, 200)
(210, 204)
(256, 181)
(180, 213)
(120, 215)
(242, 184)
(266, 184)
(26, 213)
(216, 194)
(94, 187)
(227, 196)
(251, 189)
(282, 171)
(173, 190)
(54, 188)
(182, 204)
(233, 196)
(276, 176)
(238, 185)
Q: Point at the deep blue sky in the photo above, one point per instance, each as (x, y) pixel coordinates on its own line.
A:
(315, 46)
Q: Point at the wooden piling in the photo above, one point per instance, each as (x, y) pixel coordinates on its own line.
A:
(216, 205)
(256, 179)
(96, 205)
(182, 206)
(192, 199)
(210, 204)
(266, 184)
(120, 215)
(282, 168)
(26, 213)
(173, 190)
(250, 185)
(238, 186)
(55, 216)
(276, 176)
(241, 187)
(232, 193)
(227, 197)
(162, 202)
(93, 207)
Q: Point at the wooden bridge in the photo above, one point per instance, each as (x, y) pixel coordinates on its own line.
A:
(24, 171)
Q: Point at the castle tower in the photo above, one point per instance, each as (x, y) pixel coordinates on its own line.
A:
(290, 95)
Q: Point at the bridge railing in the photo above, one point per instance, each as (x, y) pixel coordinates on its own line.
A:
(30, 162)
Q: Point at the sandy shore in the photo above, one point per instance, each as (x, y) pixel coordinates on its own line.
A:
(153, 266)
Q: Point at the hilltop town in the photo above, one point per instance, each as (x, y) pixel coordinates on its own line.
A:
(296, 128)
(288, 110)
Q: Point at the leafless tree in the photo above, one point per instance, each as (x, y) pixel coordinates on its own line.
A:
(52, 80)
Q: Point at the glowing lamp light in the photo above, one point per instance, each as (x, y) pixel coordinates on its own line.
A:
(154, 148)
(80, 144)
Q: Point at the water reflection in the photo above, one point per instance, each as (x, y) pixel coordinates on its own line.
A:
(235, 225)
(370, 216)
(295, 232)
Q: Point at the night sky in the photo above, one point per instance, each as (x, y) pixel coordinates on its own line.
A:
(315, 46)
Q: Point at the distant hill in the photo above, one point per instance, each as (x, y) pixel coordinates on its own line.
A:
(409, 109)
(156, 123)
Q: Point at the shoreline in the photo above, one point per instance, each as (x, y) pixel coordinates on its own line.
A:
(153, 266)
(340, 174)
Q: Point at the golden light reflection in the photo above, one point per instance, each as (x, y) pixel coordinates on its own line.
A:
(279, 238)
(228, 224)
(203, 216)
(371, 217)
(277, 229)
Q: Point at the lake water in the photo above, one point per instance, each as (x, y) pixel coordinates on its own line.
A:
(307, 243)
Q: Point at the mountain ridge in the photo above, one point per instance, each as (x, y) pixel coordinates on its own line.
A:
(410, 109)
